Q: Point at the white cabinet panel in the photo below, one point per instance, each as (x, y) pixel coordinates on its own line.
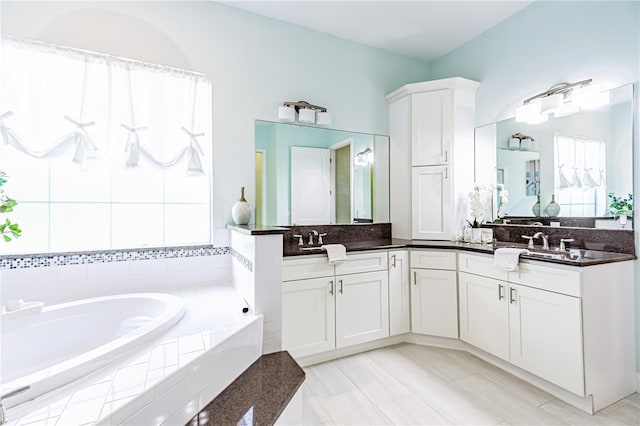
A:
(430, 259)
(431, 127)
(480, 264)
(484, 313)
(306, 267)
(308, 316)
(399, 298)
(363, 262)
(555, 278)
(362, 308)
(431, 203)
(546, 336)
(434, 303)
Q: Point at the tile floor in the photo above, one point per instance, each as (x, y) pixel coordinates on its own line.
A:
(416, 385)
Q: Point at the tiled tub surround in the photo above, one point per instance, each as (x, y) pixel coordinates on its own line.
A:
(59, 284)
(169, 380)
(43, 350)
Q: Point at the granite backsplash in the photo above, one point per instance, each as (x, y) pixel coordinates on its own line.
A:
(342, 234)
(611, 240)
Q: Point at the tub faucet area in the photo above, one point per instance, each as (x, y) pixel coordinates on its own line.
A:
(18, 391)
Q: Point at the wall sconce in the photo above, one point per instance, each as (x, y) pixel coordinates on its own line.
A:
(561, 100)
(363, 158)
(307, 113)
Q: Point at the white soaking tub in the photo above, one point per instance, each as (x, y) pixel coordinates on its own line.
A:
(65, 342)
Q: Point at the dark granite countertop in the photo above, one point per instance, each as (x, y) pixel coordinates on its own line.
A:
(575, 257)
(258, 396)
(257, 229)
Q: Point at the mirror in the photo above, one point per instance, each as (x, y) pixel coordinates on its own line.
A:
(314, 176)
(576, 160)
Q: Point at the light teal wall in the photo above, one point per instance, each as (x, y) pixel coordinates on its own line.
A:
(551, 42)
(256, 64)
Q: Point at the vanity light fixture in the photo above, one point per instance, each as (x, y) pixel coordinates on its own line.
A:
(561, 100)
(306, 113)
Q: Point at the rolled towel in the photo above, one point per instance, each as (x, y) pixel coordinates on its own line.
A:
(508, 258)
(336, 253)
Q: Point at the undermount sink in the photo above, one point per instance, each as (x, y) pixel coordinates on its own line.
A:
(556, 255)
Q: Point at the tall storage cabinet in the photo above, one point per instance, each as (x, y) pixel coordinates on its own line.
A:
(431, 128)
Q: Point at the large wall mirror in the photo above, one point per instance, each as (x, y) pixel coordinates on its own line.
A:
(313, 176)
(579, 159)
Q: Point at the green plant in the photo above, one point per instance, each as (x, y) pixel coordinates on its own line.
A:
(7, 229)
(619, 206)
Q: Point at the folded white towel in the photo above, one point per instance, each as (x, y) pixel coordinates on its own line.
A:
(336, 253)
(508, 258)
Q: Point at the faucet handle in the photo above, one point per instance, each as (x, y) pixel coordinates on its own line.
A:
(324, 234)
(530, 245)
(563, 247)
(299, 237)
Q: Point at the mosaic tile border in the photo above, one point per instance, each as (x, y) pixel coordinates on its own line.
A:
(81, 258)
(240, 258)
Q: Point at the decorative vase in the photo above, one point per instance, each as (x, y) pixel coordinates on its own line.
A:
(622, 220)
(241, 211)
(552, 208)
(476, 235)
(536, 207)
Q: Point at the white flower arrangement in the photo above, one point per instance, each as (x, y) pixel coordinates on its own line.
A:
(479, 200)
(504, 200)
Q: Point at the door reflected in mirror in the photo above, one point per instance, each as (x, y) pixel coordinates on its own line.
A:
(311, 176)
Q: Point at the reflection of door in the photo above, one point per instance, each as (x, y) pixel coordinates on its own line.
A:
(310, 186)
(343, 184)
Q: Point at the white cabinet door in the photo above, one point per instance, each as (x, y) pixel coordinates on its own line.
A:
(362, 308)
(431, 203)
(308, 316)
(431, 127)
(434, 303)
(546, 336)
(484, 313)
(399, 298)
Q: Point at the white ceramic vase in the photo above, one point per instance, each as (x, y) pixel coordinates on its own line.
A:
(241, 211)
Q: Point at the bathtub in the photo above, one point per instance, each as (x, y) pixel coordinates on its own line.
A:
(67, 341)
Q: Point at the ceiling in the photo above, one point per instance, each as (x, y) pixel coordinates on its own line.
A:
(422, 29)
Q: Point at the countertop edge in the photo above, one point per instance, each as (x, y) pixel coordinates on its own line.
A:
(471, 247)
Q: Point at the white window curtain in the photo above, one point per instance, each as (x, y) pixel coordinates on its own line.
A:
(116, 149)
(580, 175)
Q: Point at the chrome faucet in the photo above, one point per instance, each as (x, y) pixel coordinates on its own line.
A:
(545, 240)
(3, 413)
(311, 234)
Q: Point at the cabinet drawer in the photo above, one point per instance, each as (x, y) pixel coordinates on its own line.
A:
(306, 267)
(480, 265)
(363, 262)
(555, 278)
(427, 259)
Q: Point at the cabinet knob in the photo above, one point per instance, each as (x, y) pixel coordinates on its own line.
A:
(331, 287)
(512, 295)
(341, 287)
(500, 292)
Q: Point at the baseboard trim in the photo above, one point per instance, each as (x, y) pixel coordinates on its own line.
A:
(308, 360)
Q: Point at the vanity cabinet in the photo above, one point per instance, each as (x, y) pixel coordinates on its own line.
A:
(434, 294)
(326, 307)
(563, 324)
(431, 124)
(399, 296)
